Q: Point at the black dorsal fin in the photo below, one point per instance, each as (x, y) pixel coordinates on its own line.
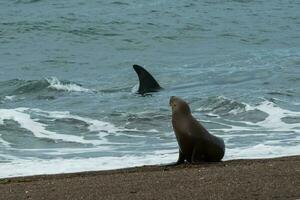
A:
(147, 82)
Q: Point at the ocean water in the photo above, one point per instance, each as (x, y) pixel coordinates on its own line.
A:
(67, 87)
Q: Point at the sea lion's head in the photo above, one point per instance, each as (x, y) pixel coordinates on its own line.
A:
(179, 106)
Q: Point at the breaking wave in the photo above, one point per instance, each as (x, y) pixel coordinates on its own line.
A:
(104, 145)
(15, 87)
(33, 120)
(38, 129)
(273, 117)
(65, 86)
(222, 105)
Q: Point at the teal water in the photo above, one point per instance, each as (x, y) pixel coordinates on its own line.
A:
(67, 100)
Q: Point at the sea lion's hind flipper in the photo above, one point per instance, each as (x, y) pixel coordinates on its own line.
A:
(197, 156)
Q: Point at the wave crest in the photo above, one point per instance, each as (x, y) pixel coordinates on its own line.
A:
(14, 87)
(222, 105)
(56, 84)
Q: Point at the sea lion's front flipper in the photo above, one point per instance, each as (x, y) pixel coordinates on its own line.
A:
(180, 160)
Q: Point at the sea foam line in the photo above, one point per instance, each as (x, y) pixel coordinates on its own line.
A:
(261, 151)
(28, 167)
(103, 128)
(38, 129)
(23, 118)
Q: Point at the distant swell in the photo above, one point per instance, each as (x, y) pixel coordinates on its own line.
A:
(23, 87)
(32, 86)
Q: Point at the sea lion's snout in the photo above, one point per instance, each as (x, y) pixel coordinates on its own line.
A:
(171, 102)
(178, 104)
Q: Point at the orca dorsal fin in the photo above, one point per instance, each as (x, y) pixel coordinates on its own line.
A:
(146, 81)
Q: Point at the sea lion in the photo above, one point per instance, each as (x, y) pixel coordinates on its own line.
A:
(196, 144)
(146, 81)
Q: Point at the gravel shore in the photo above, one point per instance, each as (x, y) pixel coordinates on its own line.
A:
(277, 178)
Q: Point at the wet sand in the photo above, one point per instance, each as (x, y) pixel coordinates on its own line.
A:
(277, 178)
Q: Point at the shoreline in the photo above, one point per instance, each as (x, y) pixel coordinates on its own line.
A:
(272, 178)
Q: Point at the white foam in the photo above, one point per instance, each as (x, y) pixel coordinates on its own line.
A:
(22, 117)
(38, 129)
(271, 147)
(240, 110)
(70, 87)
(152, 131)
(271, 128)
(7, 157)
(10, 98)
(103, 128)
(261, 151)
(211, 115)
(273, 122)
(54, 166)
(275, 116)
(135, 88)
(70, 151)
(26, 167)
